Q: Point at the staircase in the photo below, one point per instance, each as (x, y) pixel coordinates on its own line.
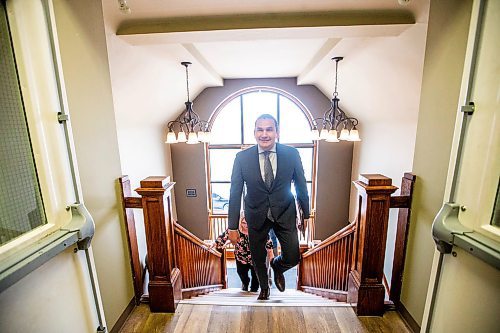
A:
(237, 297)
(346, 267)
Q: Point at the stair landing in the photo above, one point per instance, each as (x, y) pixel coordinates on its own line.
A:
(237, 297)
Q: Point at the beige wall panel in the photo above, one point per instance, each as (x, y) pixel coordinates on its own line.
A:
(444, 60)
(86, 74)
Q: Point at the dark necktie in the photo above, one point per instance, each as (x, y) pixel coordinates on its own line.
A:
(268, 178)
(268, 170)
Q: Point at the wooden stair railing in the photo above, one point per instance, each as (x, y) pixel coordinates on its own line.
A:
(129, 203)
(350, 263)
(403, 203)
(203, 269)
(324, 269)
(179, 264)
(165, 281)
(366, 289)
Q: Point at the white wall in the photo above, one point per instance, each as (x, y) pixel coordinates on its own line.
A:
(385, 93)
(381, 87)
(142, 84)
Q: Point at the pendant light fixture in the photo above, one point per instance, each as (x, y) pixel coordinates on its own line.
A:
(335, 119)
(190, 128)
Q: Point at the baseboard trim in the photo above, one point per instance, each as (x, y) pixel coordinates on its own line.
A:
(407, 317)
(123, 317)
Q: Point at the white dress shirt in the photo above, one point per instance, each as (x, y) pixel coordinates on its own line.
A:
(272, 157)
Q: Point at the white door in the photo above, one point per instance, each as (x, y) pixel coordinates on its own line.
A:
(466, 297)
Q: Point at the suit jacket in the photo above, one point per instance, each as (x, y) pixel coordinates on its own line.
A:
(258, 198)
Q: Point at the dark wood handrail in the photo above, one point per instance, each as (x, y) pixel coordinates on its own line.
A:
(203, 269)
(347, 230)
(180, 230)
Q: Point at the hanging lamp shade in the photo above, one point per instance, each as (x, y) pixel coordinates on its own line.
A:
(188, 121)
(326, 127)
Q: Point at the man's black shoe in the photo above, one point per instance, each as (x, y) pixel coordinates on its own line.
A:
(244, 287)
(264, 294)
(254, 289)
(279, 278)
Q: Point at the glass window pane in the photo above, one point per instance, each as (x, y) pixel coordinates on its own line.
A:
(221, 163)
(21, 206)
(226, 128)
(220, 198)
(306, 155)
(309, 189)
(255, 104)
(294, 126)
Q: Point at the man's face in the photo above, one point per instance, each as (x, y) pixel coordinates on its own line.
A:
(265, 133)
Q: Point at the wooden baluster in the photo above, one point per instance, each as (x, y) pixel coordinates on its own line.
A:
(331, 263)
(366, 291)
(347, 265)
(340, 280)
(342, 264)
(192, 266)
(338, 257)
(164, 277)
(202, 264)
(205, 264)
(336, 252)
(223, 270)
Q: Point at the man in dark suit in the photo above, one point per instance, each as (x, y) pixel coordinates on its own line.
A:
(268, 169)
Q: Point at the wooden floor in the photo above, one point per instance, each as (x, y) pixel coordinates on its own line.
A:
(191, 318)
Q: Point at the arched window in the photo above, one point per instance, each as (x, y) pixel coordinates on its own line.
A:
(232, 127)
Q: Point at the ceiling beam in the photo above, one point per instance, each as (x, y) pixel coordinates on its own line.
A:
(206, 65)
(316, 59)
(264, 21)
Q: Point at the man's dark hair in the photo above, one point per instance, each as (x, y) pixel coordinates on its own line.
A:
(267, 116)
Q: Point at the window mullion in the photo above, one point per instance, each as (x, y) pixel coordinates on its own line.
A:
(242, 125)
(278, 111)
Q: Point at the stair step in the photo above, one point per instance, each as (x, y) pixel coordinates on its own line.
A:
(235, 297)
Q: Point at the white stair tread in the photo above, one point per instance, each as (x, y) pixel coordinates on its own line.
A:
(235, 297)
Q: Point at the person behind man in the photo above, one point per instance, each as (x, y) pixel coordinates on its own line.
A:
(243, 255)
(268, 170)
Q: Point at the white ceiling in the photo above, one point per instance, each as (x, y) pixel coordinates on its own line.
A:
(259, 52)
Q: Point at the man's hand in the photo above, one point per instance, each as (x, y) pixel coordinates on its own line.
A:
(233, 236)
(303, 226)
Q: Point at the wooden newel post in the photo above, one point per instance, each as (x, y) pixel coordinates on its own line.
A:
(164, 277)
(366, 290)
